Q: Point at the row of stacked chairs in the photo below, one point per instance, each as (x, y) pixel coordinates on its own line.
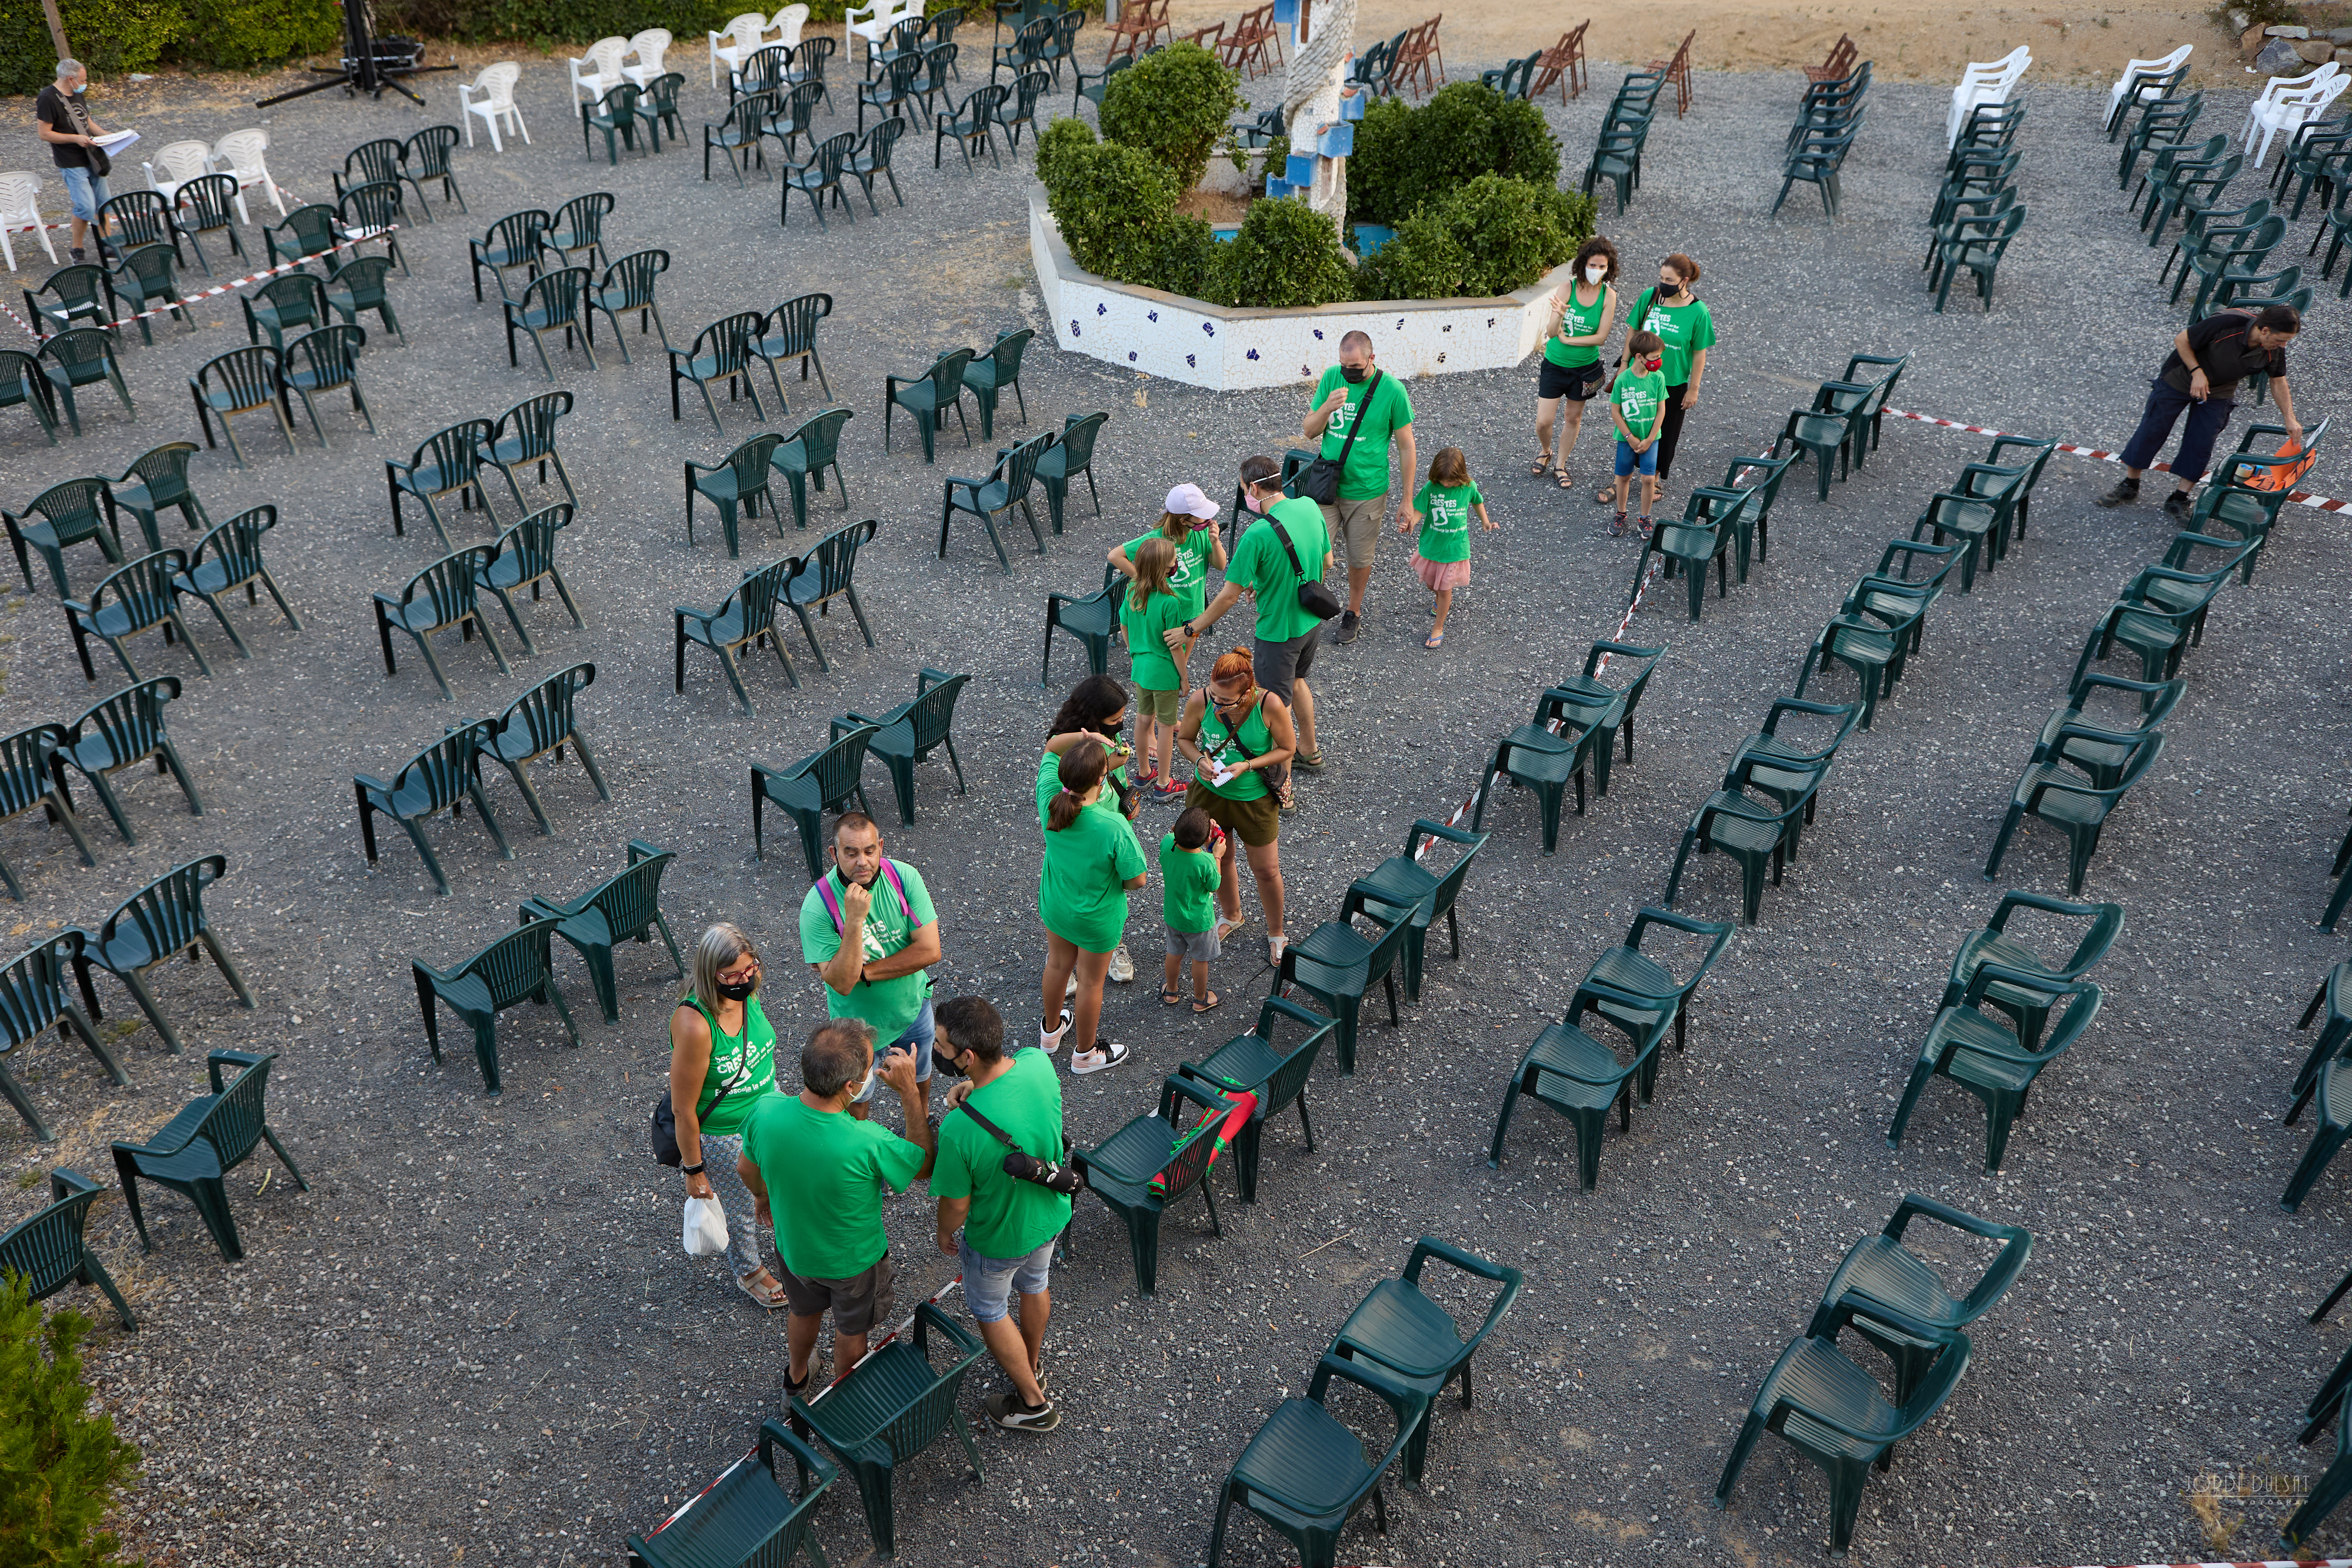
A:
(1976, 212)
(1829, 117)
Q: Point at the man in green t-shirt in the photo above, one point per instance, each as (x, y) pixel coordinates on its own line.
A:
(815, 1174)
(1008, 1226)
(880, 979)
(1353, 399)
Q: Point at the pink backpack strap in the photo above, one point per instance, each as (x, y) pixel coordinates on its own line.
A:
(890, 870)
(832, 904)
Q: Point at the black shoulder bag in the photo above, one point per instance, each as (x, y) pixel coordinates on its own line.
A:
(1313, 597)
(1023, 1166)
(662, 1126)
(1319, 481)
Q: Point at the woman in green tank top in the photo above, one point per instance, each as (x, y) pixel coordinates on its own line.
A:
(722, 1061)
(1581, 317)
(1234, 732)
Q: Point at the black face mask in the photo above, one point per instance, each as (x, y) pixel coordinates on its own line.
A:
(947, 1064)
(1110, 730)
(739, 993)
(1665, 293)
(1353, 373)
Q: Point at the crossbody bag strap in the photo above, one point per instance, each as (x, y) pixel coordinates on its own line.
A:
(1356, 427)
(990, 1128)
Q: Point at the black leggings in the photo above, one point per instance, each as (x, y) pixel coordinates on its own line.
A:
(1673, 430)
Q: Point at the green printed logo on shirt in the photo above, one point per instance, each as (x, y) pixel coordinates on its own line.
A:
(1640, 399)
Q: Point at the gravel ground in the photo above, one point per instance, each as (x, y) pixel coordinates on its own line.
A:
(364, 1389)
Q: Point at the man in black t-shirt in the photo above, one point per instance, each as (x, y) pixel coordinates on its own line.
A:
(2208, 359)
(65, 124)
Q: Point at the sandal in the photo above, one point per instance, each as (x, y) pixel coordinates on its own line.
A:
(1170, 996)
(1566, 483)
(1311, 763)
(1209, 1003)
(1435, 639)
(1543, 462)
(1286, 797)
(1226, 928)
(1607, 496)
(771, 1298)
(1276, 946)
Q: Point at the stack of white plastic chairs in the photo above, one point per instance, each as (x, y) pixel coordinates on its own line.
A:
(2288, 103)
(1986, 81)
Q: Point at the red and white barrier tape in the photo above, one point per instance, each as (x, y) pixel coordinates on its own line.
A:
(752, 1455)
(219, 288)
(2300, 498)
(60, 227)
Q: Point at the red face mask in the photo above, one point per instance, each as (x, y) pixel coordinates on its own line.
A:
(1652, 363)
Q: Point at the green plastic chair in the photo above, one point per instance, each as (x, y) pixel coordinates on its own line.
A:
(1835, 1413)
(2104, 760)
(1617, 158)
(928, 396)
(888, 1410)
(439, 778)
(359, 284)
(370, 212)
(134, 597)
(1337, 964)
(788, 333)
(80, 293)
(1832, 426)
(1610, 709)
(1785, 769)
(628, 285)
(1545, 754)
(542, 720)
(426, 156)
(513, 241)
(2328, 1492)
(988, 374)
(23, 385)
(125, 727)
(145, 281)
(1072, 454)
(721, 352)
(306, 233)
(1160, 1152)
(614, 114)
(738, 481)
(1979, 509)
(817, 177)
(449, 459)
(1092, 84)
(368, 163)
(525, 434)
(1706, 533)
(827, 572)
(1978, 246)
(241, 381)
(737, 136)
(555, 299)
(289, 301)
(83, 357)
(515, 968)
(894, 88)
(745, 1520)
(227, 559)
(791, 115)
(1401, 1330)
(2343, 886)
(1305, 1473)
(1986, 1058)
(1401, 887)
(804, 454)
(625, 907)
(72, 512)
(1879, 1271)
(911, 731)
(747, 615)
(1272, 1062)
(821, 782)
(326, 360)
(870, 159)
(2233, 504)
(524, 557)
(1092, 618)
(161, 920)
(2163, 122)
(657, 106)
(440, 597)
(2330, 1083)
(1581, 1077)
(34, 998)
(49, 1250)
(195, 1151)
(2061, 793)
(1756, 833)
(1007, 486)
(1873, 646)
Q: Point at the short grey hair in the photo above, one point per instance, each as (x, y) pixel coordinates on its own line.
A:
(837, 1054)
(68, 68)
(721, 947)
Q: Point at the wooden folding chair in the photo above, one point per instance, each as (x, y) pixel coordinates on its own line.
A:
(1562, 65)
(1135, 31)
(1840, 62)
(1678, 72)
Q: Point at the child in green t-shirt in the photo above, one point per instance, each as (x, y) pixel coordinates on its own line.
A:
(1638, 404)
(1189, 879)
(1147, 611)
(1440, 557)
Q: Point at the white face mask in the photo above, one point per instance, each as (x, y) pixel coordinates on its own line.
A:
(859, 1092)
(1596, 272)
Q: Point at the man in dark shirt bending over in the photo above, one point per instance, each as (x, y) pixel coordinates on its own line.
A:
(2207, 360)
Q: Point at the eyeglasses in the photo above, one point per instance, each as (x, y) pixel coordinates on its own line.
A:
(737, 976)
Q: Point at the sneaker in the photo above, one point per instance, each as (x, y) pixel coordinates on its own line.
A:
(2176, 506)
(1004, 1409)
(1105, 1054)
(2126, 491)
(75, 251)
(1050, 1040)
(1122, 965)
(1350, 627)
(1617, 525)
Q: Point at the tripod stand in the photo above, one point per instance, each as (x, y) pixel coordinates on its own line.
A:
(370, 64)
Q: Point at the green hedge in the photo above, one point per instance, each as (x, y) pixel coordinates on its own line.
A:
(238, 35)
(60, 1463)
(1481, 239)
(1406, 157)
(110, 36)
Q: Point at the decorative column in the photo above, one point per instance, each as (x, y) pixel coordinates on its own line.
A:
(1319, 110)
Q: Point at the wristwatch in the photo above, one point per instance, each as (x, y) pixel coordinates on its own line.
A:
(693, 1170)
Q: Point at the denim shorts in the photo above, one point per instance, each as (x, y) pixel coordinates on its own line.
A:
(989, 1282)
(918, 1039)
(1627, 462)
(85, 193)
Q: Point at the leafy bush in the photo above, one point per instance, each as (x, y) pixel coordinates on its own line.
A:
(1484, 238)
(1111, 203)
(1185, 258)
(110, 36)
(241, 34)
(1063, 133)
(1174, 105)
(1286, 254)
(1407, 157)
(59, 1464)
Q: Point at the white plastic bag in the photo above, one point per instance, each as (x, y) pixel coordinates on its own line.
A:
(706, 1228)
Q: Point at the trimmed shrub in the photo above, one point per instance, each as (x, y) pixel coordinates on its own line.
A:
(1486, 238)
(238, 34)
(1185, 258)
(1174, 105)
(1111, 203)
(1405, 157)
(1422, 260)
(59, 1463)
(1286, 254)
(1063, 133)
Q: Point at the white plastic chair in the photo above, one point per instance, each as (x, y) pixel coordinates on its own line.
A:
(735, 42)
(646, 49)
(20, 209)
(2291, 110)
(881, 15)
(239, 153)
(180, 162)
(1985, 81)
(495, 87)
(2278, 87)
(788, 22)
(2162, 67)
(598, 71)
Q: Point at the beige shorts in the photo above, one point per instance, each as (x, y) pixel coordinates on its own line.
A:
(1355, 527)
(1168, 707)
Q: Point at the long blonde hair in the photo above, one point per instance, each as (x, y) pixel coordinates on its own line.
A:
(1154, 560)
